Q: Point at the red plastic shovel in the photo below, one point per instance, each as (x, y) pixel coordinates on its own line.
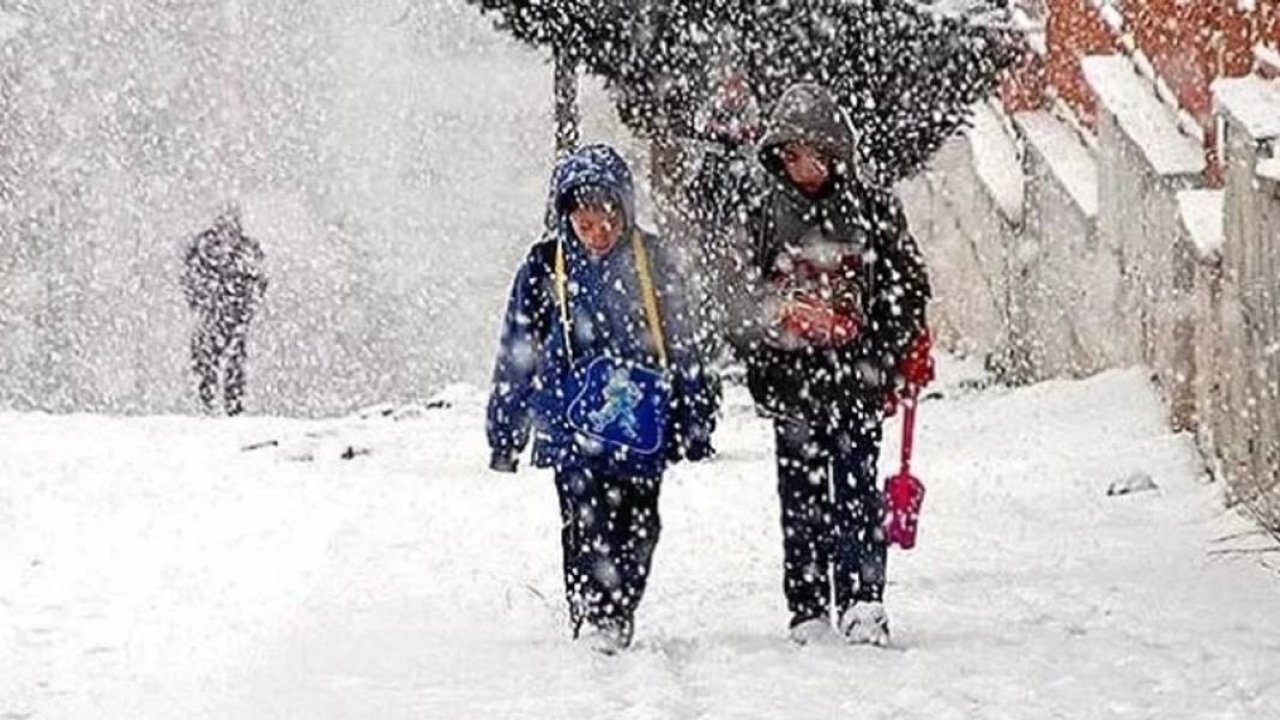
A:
(904, 493)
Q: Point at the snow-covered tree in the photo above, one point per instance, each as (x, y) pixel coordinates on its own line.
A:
(905, 73)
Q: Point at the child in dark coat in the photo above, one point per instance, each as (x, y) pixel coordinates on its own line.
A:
(837, 306)
(598, 364)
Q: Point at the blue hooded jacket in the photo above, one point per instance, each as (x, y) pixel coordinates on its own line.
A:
(607, 318)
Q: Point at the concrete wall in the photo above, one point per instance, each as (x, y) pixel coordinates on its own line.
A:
(1070, 279)
(1119, 258)
(972, 242)
(961, 228)
(1246, 423)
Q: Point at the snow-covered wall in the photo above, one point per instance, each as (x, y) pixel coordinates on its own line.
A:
(391, 157)
(1122, 260)
(1072, 278)
(1245, 415)
(961, 228)
(1143, 161)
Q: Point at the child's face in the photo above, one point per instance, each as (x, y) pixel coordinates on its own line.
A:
(805, 166)
(598, 227)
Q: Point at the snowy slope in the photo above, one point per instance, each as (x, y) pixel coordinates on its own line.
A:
(150, 568)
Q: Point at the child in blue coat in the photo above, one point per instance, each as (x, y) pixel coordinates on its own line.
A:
(598, 365)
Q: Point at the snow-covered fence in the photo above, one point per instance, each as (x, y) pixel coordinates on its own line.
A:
(1116, 256)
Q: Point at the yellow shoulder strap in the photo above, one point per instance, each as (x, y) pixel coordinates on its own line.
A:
(652, 316)
(562, 295)
(650, 298)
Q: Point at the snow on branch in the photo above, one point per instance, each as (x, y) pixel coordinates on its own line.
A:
(905, 77)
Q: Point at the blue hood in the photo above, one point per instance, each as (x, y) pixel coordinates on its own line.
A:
(593, 165)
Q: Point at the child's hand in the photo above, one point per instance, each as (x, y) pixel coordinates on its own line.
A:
(503, 462)
(917, 365)
(891, 402)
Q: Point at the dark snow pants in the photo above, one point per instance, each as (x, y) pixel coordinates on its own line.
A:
(218, 353)
(610, 528)
(833, 539)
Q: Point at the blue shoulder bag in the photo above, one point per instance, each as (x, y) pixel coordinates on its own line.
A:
(619, 408)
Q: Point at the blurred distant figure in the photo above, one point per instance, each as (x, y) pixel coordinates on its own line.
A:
(719, 191)
(223, 282)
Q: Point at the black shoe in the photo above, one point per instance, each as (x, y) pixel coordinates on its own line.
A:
(807, 630)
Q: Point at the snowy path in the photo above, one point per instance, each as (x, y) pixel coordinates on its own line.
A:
(151, 569)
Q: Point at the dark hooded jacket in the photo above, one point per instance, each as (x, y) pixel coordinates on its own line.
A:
(223, 274)
(829, 384)
(607, 315)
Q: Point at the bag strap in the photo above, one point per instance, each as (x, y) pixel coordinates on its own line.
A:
(651, 313)
(650, 298)
(562, 296)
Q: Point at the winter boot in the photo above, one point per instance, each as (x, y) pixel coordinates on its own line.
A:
(608, 638)
(865, 623)
(811, 631)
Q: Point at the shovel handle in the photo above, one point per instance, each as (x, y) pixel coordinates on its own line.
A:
(909, 427)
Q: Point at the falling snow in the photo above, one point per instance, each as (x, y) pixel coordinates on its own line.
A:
(309, 214)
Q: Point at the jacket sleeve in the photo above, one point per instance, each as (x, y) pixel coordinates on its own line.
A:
(516, 369)
(256, 269)
(901, 293)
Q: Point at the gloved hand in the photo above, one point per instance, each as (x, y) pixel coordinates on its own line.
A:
(891, 402)
(503, 461)
(916, 370)
(812, 320)
(916, 367)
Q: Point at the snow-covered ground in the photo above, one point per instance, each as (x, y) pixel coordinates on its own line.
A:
(152, 568)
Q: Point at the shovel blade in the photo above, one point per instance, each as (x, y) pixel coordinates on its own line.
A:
(903, 496)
